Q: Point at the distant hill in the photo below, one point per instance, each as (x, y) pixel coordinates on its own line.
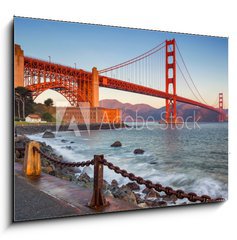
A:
(144, 110)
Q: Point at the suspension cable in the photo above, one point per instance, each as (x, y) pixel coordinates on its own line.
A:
(189, 74)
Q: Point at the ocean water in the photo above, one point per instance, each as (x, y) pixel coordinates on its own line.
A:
(194, 159)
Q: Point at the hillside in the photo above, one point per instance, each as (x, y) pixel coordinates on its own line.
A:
(144, 110)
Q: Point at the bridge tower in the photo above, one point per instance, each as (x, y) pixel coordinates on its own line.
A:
(170, 75)
(18, 66)
(95, 88)
(221, 115)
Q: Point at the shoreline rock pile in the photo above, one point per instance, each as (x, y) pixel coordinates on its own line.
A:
(130, 192)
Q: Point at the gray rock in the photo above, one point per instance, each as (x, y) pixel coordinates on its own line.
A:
(48, 134)
(84, 178)
(152, 194)
(156, 203)
(126, 194)
(142, 205)
(114, 183)
(138, 151)
(171, 198)
(108, 193)
(146, 190)
(133, 186)
(116, 144)
(138, 198)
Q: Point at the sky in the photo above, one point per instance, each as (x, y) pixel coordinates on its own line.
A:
(104, 46)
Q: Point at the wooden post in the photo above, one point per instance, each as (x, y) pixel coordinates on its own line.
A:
(32, 163)
(98, 200)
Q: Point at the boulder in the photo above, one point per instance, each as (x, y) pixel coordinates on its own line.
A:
(170, 198)
(138, 198)
(18, 154)
(108, 193)
(156, 203)
(125, 194)
(116, 144)
(138, 151)
(69, 147)
(152, 194)
(84, 178)
(50, 170)
(146, 190)
(48, 134)
(133, 186)
(142, 205)
(162, 204)
(114, 183)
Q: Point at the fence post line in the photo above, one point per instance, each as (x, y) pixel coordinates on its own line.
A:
(32, 162)
(98, 200)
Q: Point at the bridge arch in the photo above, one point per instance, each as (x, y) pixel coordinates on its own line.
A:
(72, 97)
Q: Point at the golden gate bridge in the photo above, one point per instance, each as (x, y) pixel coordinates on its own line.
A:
(153, 73)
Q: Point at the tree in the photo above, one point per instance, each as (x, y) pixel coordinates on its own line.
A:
(48, 102)
(48, 117)
(24, 102)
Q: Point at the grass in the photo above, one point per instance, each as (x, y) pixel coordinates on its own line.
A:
(19, 123)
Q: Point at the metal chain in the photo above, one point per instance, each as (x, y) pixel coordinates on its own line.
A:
(65, 164)
(192, 197)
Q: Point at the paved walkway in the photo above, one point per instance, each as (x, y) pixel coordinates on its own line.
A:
(51, 197)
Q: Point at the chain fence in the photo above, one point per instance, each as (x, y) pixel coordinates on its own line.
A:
(180, 194)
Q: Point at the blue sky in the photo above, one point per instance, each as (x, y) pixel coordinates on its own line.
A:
(103, 46)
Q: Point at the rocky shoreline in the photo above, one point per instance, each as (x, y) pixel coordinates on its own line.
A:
(33, 129)
(130, 192)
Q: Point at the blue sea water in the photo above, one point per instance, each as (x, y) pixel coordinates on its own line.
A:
(191, 158)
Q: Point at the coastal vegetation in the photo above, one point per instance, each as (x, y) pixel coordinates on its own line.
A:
(24, 105)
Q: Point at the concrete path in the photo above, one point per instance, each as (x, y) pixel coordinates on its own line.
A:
(51, 197)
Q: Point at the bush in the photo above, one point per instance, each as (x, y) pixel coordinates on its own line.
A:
(48, 117)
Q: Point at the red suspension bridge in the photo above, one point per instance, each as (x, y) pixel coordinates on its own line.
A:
(152, 73)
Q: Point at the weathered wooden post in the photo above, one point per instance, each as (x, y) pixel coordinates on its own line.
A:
(98, 200)
(32, 163)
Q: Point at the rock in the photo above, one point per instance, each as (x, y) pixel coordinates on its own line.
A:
(152, 194)
(126, 194)
(171, 198)
(133, 186)
(116, 144)
(50, 170)
(74, 170)
(72, 142)
(63, 141)
(114, 183)
(69, 147)
(146, 190)
(18, 154)
(19, 145)
(162, 204)
(84, 178)
(138, 151)
(142, 205)
(156, 203)
(22, 138)
(138, 198)
(67, 178)
(48, 134)
(108, 193)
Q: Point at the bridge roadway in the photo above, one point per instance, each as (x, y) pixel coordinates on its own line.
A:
(104, 81)
(108, 82)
